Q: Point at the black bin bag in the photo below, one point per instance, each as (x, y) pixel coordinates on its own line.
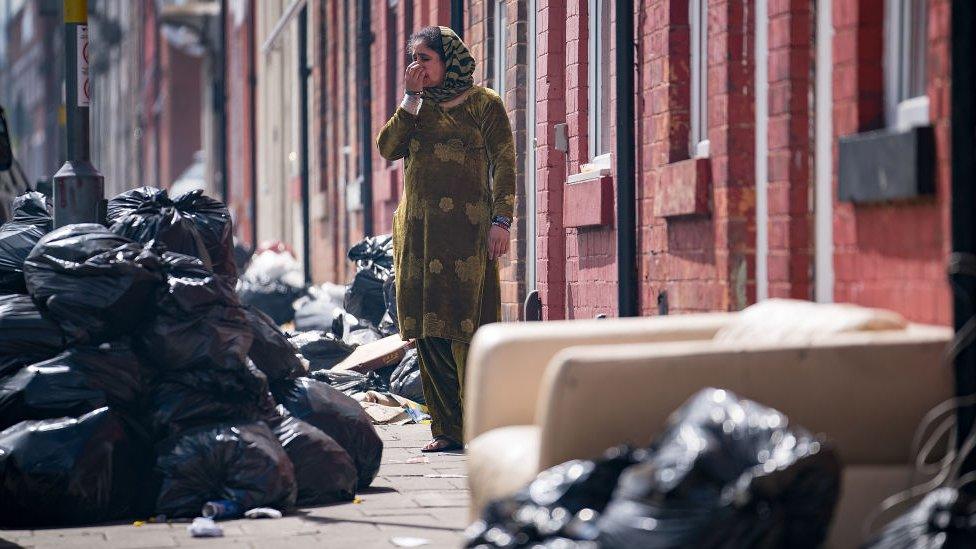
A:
(153, 214)
(322, 350)
(338, 416)
(95, 284)
(324, 471)
(405, 379)
(552, 506)
(73, 383)
(727, 472)
(147, 214)
(365, 298)
(31, 221)
(239, 462)
(70, 471)
(270, 350)
(944, 519)
(188, 399)
(199, 324)
(26, 335)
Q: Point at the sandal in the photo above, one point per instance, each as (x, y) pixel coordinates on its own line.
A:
(442, 443)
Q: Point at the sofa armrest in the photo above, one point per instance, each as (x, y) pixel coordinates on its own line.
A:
(867, 397)
(507, 360)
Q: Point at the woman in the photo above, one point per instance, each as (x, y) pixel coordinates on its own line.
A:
(453, 220)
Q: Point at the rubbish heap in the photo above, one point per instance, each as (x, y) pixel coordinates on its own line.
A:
(349, 336)
(135, 382)
(726, 472)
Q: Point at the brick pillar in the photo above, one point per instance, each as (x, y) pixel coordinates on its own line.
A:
(791, 52)
(551, 174)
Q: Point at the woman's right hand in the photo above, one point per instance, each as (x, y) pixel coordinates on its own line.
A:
(414, 77)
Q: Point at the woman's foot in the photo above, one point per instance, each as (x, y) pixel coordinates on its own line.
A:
(442, 444)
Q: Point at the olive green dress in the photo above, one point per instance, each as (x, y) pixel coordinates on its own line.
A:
(460, 173)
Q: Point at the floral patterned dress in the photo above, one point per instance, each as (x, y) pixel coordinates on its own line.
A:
(460, 173)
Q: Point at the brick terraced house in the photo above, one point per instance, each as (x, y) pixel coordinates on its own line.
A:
(782, 148)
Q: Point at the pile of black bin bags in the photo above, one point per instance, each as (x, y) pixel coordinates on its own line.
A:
(725, 473)
(133, 382)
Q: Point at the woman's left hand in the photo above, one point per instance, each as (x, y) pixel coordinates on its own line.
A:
(497, 242)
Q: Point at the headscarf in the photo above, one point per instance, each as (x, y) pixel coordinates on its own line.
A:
(458, 69)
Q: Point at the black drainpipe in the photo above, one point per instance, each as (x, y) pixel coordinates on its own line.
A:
(627, 304)
(457, 17)
(220, 103)
(303, 74)
(252, 82)
(363, 66)
(962, 266)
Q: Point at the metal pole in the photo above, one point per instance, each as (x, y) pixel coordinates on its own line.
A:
(220, 103)
(303, 74)
(627, 300)
(363, 66)
(79, 189)
(457, 17)
(963, 197)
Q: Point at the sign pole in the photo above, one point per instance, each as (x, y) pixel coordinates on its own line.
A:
(79, 189)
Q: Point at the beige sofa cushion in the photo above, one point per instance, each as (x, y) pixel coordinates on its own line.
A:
(797, 321)
(500, 462)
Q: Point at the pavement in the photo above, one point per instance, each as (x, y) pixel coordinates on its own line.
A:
(416, 498)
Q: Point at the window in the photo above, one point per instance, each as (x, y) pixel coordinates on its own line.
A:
(599, 81)
(698, 19)
(906, 104)
(501, 40)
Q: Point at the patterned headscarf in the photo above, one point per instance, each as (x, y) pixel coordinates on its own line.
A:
(458, 69)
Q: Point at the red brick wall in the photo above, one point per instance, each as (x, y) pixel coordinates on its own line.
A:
(591, 262)
(551, 164)
(891, 255)
(791, 53)
(701, 262)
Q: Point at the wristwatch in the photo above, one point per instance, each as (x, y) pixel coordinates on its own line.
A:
(502, 221)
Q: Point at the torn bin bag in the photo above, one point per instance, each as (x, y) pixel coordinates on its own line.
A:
(75, 382)
(338, 416)
(323, 469)
(26, 335)
(69, 471)
(95, 284)
(239, 462)
(31, 221)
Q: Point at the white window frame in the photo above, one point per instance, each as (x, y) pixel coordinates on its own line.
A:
(906, 102)
(500, 32)
(599, 27)
(698, 23)
(531, 230)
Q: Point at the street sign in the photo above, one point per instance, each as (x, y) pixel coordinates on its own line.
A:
(84, 85)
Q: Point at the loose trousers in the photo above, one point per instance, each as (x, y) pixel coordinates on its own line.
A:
(442, 364)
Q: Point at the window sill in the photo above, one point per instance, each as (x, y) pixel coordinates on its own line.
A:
(886, 165)
(683, 188)
(588, 201)
(912, 113)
